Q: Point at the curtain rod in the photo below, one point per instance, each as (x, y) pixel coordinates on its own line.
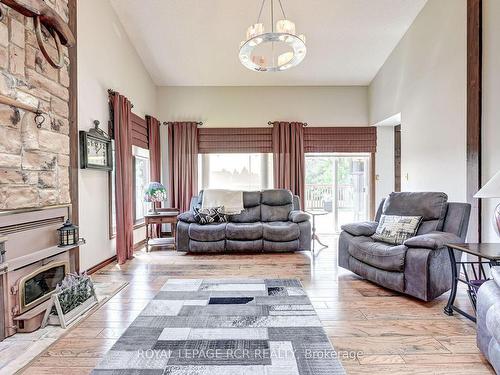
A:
(113, 92)
(271, 123)
(199, 123)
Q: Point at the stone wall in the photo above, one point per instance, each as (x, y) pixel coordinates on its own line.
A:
(34, 163)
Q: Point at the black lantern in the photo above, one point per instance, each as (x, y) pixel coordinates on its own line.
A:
(68, 234)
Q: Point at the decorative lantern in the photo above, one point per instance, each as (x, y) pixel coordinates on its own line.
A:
(68, 234)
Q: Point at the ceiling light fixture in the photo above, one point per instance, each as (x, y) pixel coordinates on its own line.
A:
(274, 51)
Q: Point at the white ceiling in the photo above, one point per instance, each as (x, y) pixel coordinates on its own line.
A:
(196, 42)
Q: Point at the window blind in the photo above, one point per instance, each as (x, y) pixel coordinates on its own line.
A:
(139, 131)
(340, 139)
(234, 140)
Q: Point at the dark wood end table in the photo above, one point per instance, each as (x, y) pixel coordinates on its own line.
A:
(164, 216)
(473, 277)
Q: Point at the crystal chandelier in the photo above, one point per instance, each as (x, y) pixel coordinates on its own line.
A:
(272, 51)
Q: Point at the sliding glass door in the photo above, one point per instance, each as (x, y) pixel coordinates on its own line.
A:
(337, 185)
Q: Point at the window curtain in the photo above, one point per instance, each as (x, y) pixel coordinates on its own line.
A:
(153, 126)
(288, 157)
(122, 134)
(183, 163)
(154, 148)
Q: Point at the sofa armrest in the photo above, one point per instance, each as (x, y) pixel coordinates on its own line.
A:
(298, 216)
(432, 240)
(187, 217)
(365, 228)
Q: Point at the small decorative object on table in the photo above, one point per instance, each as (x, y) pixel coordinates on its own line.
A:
(69, 235)
(155, 193)
(474, 272)
(73, 297)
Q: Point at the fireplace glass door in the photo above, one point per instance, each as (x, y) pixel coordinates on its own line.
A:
(39, 285)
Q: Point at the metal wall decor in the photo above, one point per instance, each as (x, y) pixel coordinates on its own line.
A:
(95, 149)
(44, 15)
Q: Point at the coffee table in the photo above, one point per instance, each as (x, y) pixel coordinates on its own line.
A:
(474, 272)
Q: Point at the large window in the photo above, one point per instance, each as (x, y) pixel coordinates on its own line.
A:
(141, 181)
(235, 171)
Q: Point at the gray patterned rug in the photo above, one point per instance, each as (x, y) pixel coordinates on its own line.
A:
(225, 327)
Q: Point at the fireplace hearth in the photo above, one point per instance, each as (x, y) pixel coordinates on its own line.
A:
(34, 265)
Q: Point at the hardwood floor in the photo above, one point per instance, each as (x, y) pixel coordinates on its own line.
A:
(393, 334)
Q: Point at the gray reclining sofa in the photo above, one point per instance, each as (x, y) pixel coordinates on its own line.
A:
(488, 319)
(271, 222)
(419, 267)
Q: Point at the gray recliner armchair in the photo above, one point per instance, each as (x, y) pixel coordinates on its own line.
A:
(271, 222)
(419, 267)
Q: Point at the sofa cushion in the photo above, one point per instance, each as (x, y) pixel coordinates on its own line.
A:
(207, 232)
(431, 206)
(280, 231)
(276, 205)
(207, 247)
(242, 246)
(280, 247)
(248, 215)
(378, 254)
(276, 197)
(244, 231)
(275, 213)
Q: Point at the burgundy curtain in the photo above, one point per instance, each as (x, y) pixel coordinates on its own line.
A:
(288, 157)
(183, 163)
(123, 176)
(154, 148)
(154, 158)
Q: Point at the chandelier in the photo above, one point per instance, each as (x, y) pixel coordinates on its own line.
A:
(274, 51)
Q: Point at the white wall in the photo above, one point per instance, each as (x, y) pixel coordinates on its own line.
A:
(424, 79)
(491, 107)
(384, 163)
(255, 106)
(106, 59)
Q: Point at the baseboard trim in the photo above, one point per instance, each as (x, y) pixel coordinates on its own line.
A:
(103, 264)
(139, 245)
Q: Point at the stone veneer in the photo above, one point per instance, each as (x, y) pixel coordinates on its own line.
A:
(34, 163)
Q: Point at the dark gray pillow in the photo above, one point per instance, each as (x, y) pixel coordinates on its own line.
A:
(210, 215)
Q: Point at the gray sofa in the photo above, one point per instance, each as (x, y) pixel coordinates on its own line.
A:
(271, 222)
(488, 319)
(420, 267)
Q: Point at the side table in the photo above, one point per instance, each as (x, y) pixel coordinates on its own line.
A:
(473, 277)
(164, 216)
(315, 237)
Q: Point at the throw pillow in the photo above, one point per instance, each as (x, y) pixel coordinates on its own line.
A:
(210, 215)
(395, 229)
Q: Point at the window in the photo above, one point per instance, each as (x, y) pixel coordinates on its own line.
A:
(140, 164)
(235, 171)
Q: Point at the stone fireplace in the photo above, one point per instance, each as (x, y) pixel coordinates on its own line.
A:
(34, 265)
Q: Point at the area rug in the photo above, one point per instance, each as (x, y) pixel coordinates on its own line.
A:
(225, 327)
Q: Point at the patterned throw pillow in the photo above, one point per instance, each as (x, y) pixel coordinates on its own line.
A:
(210, 215)
(395, 229)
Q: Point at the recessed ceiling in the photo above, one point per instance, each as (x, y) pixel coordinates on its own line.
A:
(196, 42)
